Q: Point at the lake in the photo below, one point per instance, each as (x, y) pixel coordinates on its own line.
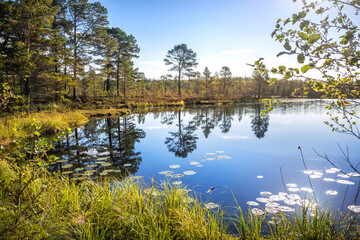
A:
(222, 153)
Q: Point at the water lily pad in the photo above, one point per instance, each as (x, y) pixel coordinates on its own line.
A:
(199, 165)
(68, 166)
(272, 204)
(224, 157)
(346, 182)
(79, 169)
(220, 151)
(272, 210)
(137, 177)
(291, 185)
(211, 205)
(62, 161)
(68, 172)
(263, 200)
(290, 202)
(294, 197)
(174, 166)
(210, 154)
(88, 173)
(329, 179)
(166, 172)
(92, 166)
(211, 159)
(194, 163)
(103, 174)
(332, 170)
(343, 176)
(260, 176)
(189, 172)
(265, 193)
(353, 174)
(177, 182)
(315, 176)
(188, 200)
(77, 174)
(294, 189)
(252, 203)
(127, 165)
(100, 162)
(102, 158)
(309, 190)
(286, 209)
(354, 208)
(179, 175)
(257, 212)
(106, 164)
(331, 192)
(202, 156)
(277, 197)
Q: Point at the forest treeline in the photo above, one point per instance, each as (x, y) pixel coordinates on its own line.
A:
(64, 50)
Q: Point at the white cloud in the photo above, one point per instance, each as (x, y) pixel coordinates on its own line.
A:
(236, 52)
(234, 137)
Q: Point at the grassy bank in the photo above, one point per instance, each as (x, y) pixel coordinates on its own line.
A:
(48, 122)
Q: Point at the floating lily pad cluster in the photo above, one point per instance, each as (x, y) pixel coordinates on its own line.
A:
(97, 165)
(281, 202)
(177, 176)
(342, 177)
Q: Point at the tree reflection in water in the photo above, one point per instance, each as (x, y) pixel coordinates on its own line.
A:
(259, 124)
(184, 140)
(101, 147)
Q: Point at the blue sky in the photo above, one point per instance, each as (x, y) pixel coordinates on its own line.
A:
(221, 32)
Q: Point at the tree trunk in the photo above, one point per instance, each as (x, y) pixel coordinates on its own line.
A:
(75, 57)
(179, 86)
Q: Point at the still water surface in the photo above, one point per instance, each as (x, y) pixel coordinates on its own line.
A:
(231, 149)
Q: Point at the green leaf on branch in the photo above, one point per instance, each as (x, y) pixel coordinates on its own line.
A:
(305, 68)
(287, 46)
(301, 58)
(314, 38)
(303, 35)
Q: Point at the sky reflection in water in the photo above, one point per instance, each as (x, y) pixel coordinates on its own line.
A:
(229, 148)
